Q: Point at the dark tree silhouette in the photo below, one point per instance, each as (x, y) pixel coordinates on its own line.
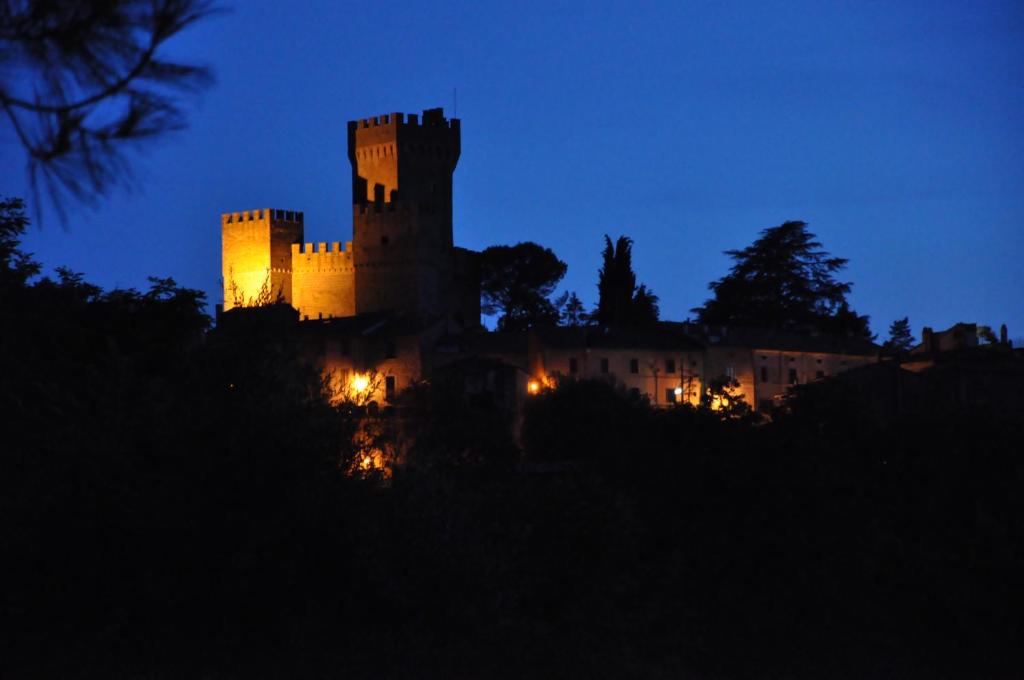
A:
(573, 313)
(83, 80)
(900, 338)
(16, 267)
(620, 301)
(784, 280)
(517, 281)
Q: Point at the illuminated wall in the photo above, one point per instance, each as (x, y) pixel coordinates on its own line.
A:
(256, 255)
(361, 367)
(323, 280)
(732, 362)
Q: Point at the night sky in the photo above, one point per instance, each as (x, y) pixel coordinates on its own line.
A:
(893, 128)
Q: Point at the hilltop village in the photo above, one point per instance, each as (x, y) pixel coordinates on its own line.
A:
(400, 302)
(347, 475)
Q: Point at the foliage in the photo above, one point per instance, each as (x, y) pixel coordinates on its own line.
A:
(620, 301)
(783, 280)
(263, 297)
(517, 282)
(449, 428)
(573, 313)
(84, 80)
(175, 504)
(720, 396)
(16, 267)
(583, 420)
(900, 338)
(986, 334)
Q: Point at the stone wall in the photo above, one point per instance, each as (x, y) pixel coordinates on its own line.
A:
(323, 280)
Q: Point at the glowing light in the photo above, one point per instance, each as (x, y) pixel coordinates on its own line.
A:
(533, 387)
(360, 383)
(678, 391)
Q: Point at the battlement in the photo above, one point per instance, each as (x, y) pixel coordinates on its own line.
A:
(431, 118)
(262, 215)
(322, 247)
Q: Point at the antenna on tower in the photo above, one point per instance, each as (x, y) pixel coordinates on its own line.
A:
(455, 102)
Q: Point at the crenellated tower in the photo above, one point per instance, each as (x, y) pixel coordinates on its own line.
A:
(402, 170)
(256, 255)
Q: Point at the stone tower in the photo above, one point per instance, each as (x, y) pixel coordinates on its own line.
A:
(402, 170)
(256, 255)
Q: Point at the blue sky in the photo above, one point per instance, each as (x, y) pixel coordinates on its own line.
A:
(893, 128)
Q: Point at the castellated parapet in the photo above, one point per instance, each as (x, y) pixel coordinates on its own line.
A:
(323, 280)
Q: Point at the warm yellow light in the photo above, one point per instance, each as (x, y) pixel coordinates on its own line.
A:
(678, 391)
(533, 387)
(360, 383)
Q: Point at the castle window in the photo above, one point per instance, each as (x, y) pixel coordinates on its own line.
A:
(670, 365)
(389, 388)
(819, 375)
(384, 240)
(819, 361)
(764, 374)
(604, 365)
(573, 366)
(670, 395)
(634, 366)
(730, 372)
(792, 376)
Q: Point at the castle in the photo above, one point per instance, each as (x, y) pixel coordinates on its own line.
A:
(401, 302)
(401, 258)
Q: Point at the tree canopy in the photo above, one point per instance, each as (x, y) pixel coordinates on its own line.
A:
(900, 337)
(573, 313)
(784, 280)
(517, 282)
(620, 301)
(83, 80)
